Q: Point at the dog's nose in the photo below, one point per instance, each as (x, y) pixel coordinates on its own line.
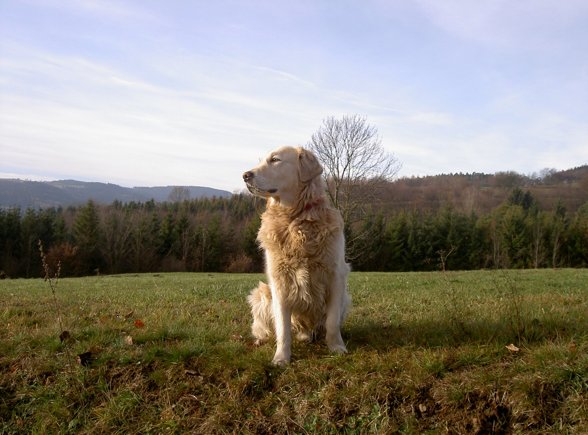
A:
(247, 176)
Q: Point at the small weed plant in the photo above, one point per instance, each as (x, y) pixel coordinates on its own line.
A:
(52, 278)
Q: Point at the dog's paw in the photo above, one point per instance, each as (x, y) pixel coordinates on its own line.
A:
(338, 349)
(304, 337)
(281, 360)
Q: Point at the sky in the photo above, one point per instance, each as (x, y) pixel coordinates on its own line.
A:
(150, 92)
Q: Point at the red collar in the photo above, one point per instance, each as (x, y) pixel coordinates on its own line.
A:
(313, 204)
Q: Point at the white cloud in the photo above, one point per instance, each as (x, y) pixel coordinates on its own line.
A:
(507, 25)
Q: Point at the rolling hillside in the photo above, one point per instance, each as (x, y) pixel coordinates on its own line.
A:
(473, 192)
(481, 193)
(62, 193)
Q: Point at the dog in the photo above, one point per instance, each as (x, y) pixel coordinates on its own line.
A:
(304, 246)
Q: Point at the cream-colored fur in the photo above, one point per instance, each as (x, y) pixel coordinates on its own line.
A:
(302, 237)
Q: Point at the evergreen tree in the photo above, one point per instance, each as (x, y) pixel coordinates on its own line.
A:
(86, 232)
(144, 242)
(397, 235)
(116, 237)
(30, 260)
(515, 238)
(578, 238)
(249, 242)
(10, 242)
(371, 244)
(166, 236)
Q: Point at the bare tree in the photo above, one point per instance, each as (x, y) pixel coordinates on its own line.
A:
(355, 163)
(117, 229)
(179, 194)
(356, 168)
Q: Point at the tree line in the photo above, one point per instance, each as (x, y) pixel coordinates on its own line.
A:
(218, 235)
(516, 234)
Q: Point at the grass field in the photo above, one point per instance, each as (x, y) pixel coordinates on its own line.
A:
(172, 353)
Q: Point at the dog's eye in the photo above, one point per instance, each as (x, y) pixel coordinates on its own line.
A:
(274, 159)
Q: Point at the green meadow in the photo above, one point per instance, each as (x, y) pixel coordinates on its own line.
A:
(443, 352)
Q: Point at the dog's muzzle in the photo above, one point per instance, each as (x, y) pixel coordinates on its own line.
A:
(247, 177)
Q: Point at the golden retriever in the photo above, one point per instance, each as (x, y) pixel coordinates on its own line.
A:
(302, 237)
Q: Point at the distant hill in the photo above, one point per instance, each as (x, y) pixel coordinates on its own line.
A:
(475, 192)
(481, 193)
(62, 193)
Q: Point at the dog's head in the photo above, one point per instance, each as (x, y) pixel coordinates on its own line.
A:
(282, 174)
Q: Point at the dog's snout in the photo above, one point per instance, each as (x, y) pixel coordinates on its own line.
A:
(247, 176)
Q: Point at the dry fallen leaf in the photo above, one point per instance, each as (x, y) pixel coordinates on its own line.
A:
(84, 359)
(65, 336)
(128, 340)
(513, 348)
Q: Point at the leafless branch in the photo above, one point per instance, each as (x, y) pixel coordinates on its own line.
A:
(354, 160)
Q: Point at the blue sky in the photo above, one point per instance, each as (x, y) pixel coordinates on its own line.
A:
(144, 93)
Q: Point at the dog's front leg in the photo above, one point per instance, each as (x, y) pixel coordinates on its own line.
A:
(336, 307)
(283, 325)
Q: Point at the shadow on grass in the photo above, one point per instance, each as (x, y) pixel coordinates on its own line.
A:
(384, 336)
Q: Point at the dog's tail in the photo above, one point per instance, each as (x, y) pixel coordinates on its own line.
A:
(260, 300)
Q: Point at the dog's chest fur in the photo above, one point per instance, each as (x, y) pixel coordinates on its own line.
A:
(301, 250)
(295, 239)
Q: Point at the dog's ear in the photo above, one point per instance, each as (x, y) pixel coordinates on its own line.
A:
(308, 165)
